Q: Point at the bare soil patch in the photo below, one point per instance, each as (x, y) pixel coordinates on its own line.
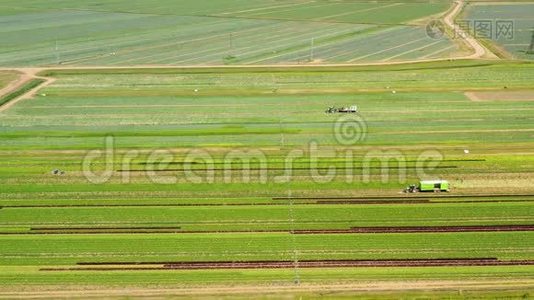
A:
(421, 229)
(481, 96)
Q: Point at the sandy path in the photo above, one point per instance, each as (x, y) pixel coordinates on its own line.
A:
(14, 85)
(30, 73)
(27, 75)
(479, 50)
(377, 286)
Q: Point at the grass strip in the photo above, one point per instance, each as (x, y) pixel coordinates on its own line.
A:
(28, 86)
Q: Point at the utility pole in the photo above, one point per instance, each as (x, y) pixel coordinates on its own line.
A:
(312, 42)
(296, 272)
(231, 43)
(58, 58)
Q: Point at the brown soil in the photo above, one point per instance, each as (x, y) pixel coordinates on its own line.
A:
(102, 230)
(352, 230)
(143, 266)
(524, 95)
(275, 290)
(421, 229)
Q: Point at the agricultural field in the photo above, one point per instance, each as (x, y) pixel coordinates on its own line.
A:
(6, 78)
(266, 149)
(122, 33)
(520, 15)
(236, 178)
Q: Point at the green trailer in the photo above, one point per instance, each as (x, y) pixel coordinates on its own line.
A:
(434, 186)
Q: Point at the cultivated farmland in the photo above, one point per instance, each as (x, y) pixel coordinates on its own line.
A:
(6, 78)
(156, 224)
(265, 149)
(244, 32)
(521, 17)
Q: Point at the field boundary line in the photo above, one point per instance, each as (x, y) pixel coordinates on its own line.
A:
(358, 11)
(385, 31)
(438, 51)
(262, 8)
(410, 51)
(386, 50)
(292, 9)
(215, 36)
(304, 46)
(282, 40)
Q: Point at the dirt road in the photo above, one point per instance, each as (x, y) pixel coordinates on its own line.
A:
(479, 51)
(260, 291)
(26, 76)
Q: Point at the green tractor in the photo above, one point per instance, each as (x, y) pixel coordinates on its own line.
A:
(429, 186)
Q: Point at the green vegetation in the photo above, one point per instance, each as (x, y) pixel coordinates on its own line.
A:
(511, 32)
(6, 77)
(44, 33)
(21, 90)
(32, 278)
(57, 220)
(58, 250)
(256, 217)
(235, 179)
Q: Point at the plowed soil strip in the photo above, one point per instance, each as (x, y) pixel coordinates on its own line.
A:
(410, 201)
(291, 264)
(430, 196)
(101, 228)
(421, 229)
(352, 230)
(138, 205)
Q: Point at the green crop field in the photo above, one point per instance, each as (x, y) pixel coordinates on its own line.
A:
(194, 169)
(521, 15)
(266, 149)
(39, 33)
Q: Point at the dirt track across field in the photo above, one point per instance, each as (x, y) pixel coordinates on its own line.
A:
(27, 76)
(421, 229)
(479, 51)
(260, 291)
